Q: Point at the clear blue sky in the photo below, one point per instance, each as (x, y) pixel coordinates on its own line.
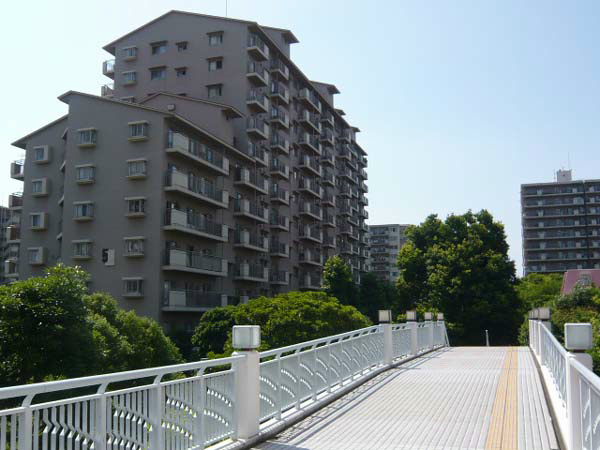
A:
(459, 102)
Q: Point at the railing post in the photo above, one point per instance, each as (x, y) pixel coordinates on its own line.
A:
(157, 408)
(101, 415)
(26, 435)
(385, 319)
(411, 322)
(429, 326)
(246, 340)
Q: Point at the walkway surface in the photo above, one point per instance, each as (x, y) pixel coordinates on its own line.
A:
(487, 398)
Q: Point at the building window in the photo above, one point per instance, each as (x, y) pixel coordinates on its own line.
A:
(133, 287)
(136, 168)
(215, 64)
(215, 90)
(129, 77)
(87, 137)
(136, 206)
(158, 73)
(129, 53)
(41, 154)
(35, 255)
(138, 131)
(85, 174)
(181, 72)
(182, 46)
(84, 210)
(159, 47)
(134, 246)
(37, 221)
(215, 38)
(39, 187)
(82, 249)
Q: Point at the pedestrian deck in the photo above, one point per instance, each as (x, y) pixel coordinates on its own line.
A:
(487, 398)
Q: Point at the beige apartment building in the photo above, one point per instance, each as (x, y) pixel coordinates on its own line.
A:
(210, 171)
(385, 243)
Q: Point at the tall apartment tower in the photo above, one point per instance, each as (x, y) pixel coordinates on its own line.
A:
(385, 243)
(211, 171)
(561, 224)
(5, 222)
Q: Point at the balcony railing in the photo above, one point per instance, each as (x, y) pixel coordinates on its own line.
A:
(15, 200)
(311, 209)
(252, 179)
(108, 68)
(257, 74)
(310, 185)
(311, 142)
(195, 185)
(280, 91)
(250, 208)
(279, 248)
(257, 127)
(195, 260)
(279, 221)
(250, 239)
(311, 99)
(17, 169)
(280, 195)
(258, 101)
(310, 281)
(280, 277)
(107, 90)
(278, 66)
(195, 222)
(200, 152)
(253, 272)
(278, 115)
(279, 168)
(280, 142)
(192, 299)
(258, 48)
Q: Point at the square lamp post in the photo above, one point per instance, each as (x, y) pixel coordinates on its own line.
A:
(578, 336)
(440, 317)
(428, 316)
(246, 337)
(411, 316)
(385, 316)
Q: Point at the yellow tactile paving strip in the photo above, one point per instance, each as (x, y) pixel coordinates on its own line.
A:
(503, 431)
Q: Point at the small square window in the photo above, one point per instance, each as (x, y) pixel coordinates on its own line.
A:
(215, 64)
(134, 246)
(41, 154)
(159, 48)
(138, 131)
(129, 77)
(82, 249)
(215, 38)
(181, 72)
(35, 255)
(136, 168)
(158, 73)
(215, 90)
(182, 46)
(39, 187)
(129, 53)
(85, 174)
(37, 221)
(136, 207)
(84, 211)
(87, 137)
(133, 287)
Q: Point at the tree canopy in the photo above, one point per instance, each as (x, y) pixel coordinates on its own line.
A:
(460, 266)
(538, 289)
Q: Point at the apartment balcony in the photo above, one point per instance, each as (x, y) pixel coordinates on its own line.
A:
(363, 187)
(363, 253)
(345, 229)
(108, 68)
(15, 217)
(257, 128)
(194, 262)
(280, 277)
(251, 210)
(345, 210)
(279, 249)
(363, 200)
(310, 281)
(346, 248)
(279, 92)
(257, 48)
(328, 119)
(328, 199)
(344, 172)
(344, 152)
(310, 121)
(364, 227)
(11, 269)
(280, 117)
(13, 234)
(257, 74)
(107, 90)
(279, 142)
(310, 99)
(257, 102)
(344, 190)
(310, 164)
(308, 256)
(328, 158)
(364, 214)
(196, 188)
(329, 241)
(328, 138)
(201, 154)
(310, 186)
(347, 135)
(188, 300)
(362, 161)
(251, 179)
(363, 174)
(281, 196)
(278, 67)
(353, 220)
(311, 142)
(311, 233)
(329, 220)
(15, 201)
(17, 169)
(279, 222)
(251, 241)
(258, 153)
(352, 164)
(328, 178)
(311, 209)
(195, 224)
(251, 272)
(278, 169)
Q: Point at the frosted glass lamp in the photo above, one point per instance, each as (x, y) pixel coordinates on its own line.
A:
(411, 316)
(246, 337)
(428, 316)
(535, 314)
(578, 336)
(440, 316)
(544, 313)
(385, 316)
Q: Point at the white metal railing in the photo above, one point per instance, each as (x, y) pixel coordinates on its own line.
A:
(194, 405)
(574, 390)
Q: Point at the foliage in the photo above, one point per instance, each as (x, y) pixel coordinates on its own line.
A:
(286, 319)
(460, 267)
(51, 329)
(338, 282)
(376, 294)
(536, 289)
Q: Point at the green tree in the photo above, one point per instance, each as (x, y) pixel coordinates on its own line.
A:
(44, 332)
(460, 267)
(538, 289)
(286, 319)
(376, 294)
(338, 281)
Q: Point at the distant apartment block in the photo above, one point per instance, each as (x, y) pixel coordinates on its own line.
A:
(385, 243)
(212, 170)
(5, 222)
(561, 225)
